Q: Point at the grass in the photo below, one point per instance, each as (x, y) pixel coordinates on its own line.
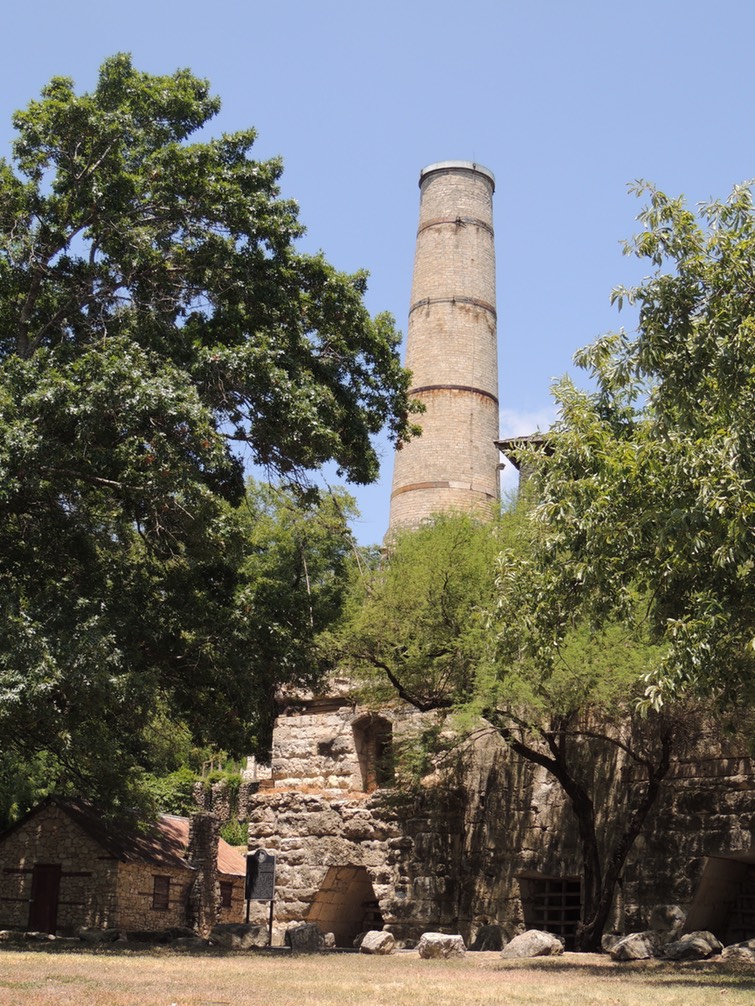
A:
(164, 977)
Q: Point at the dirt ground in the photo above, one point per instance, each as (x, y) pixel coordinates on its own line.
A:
(166, 977)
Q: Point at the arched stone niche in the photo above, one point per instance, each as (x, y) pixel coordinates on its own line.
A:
(373, 740)
(345, 904)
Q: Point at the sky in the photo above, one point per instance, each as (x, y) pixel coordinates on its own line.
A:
(566, 103)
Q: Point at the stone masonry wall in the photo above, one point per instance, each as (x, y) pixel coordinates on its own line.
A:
(455, 854)
(136, 883)
(88, 876)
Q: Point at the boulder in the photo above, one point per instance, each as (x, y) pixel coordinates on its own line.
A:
(489, 937)
(744, 952)
(376, 941)
(440, 945)
(636, 946)
(11, 935)
(533, 943)
(693, 947)
(238, 936)
(329, 941)
(304, 938)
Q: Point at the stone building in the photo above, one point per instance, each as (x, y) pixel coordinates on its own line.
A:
(61, 869)
(486, 837)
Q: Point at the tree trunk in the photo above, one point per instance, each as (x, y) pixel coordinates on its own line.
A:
(597, 886)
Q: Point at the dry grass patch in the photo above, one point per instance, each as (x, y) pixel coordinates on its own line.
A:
(162, 977)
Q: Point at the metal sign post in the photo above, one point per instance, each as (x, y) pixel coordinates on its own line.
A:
(260, 883)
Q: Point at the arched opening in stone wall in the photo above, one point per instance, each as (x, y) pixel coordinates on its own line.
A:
(373, 740)
(346, 904)
(724, 902)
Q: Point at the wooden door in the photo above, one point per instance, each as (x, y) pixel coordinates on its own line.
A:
(45, 889)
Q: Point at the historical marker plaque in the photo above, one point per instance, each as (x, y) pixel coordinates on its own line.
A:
(260, 876)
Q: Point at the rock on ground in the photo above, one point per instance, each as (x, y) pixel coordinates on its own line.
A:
(693, 947)
(636, 946)
(533, 943)
(377, 942)
(92, 935)
(440, 945)
(304, 937)
(744, 951)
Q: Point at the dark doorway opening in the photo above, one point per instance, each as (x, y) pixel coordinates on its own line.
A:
(552, 904)
(724, 902)
(45, 891)
(346, 904)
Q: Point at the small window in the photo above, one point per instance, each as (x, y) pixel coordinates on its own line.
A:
(226, 893)
(161, 894)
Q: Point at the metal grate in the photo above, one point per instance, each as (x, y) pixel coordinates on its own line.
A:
(552, 904)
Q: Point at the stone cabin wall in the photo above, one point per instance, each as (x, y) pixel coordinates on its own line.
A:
(135, 904)
(136, 882)
(88, 882)
(95, 888)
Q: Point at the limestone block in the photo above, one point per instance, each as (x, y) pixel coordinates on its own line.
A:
(304, 937)
(695, 946)
(377, 942)
(744, 952)
(636, 946)
(91, 935)
(434, 945)
(533, 943)
(428, 887)
(239, 936)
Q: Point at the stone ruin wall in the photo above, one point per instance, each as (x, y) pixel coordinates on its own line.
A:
(453, 854)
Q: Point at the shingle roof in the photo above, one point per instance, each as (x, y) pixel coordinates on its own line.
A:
(164, 844)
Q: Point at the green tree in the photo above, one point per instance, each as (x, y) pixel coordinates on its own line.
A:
(648, 482)
(643, 501)
(445, 620)
(415, 620)
(156, 320)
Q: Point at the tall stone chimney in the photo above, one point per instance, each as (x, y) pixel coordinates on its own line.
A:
(451, 350)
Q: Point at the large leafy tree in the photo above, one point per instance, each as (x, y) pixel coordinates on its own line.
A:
(158, 327)
(643, 504)
(444, 621)
(648, 482)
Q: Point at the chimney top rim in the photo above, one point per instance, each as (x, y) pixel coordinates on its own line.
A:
(472, 166)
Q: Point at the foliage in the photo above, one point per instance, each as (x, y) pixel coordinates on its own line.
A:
(447, 634)
(235, 832)
(156, 319)
(647, 486)
(172, 793)
(417, 618)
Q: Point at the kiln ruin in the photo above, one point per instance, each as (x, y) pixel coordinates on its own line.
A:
(486, 838)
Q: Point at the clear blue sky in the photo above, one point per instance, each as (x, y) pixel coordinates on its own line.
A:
(565, 102)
